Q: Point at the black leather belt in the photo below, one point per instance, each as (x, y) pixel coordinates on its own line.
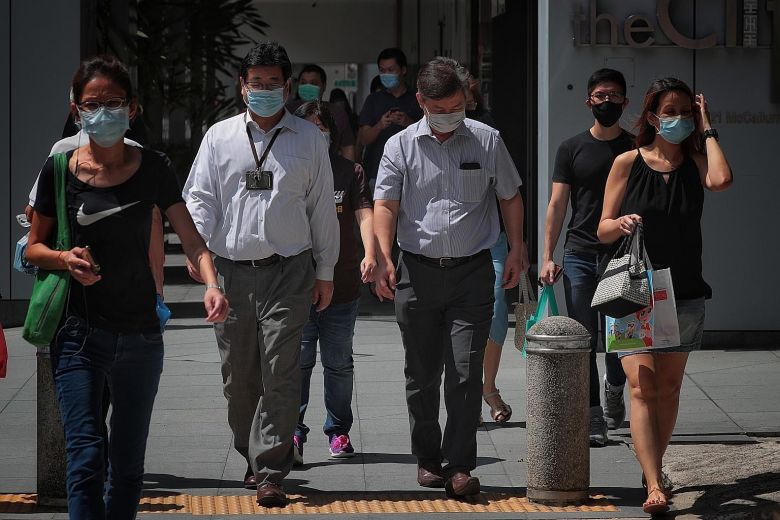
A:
(263, 262)
(446, 262)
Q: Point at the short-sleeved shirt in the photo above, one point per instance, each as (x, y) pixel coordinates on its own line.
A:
(375, 106)
(351, 193)
(583, 162)
(345, 136)
(447, 190)
(116, 223)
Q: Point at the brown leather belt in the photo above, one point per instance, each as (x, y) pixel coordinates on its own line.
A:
(447, 262)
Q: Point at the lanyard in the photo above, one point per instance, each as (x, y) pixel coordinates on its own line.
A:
(261, 161)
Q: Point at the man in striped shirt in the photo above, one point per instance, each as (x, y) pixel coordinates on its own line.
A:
(438, 181)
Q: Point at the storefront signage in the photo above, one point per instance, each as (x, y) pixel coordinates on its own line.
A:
(639, 31)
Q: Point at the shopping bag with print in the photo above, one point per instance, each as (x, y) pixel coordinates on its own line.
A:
(651, 327)
(546, 299)
(525, 308)
(666, 327)
(20, 262)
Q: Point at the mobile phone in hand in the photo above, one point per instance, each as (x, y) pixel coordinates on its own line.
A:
(89, 257)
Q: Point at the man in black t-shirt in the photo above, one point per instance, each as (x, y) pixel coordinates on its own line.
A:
(387, 111)
(582, 166)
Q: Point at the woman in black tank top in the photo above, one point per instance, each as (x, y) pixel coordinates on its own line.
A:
(661, 184)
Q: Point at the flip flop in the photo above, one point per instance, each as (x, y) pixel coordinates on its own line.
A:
(657, 505)
(499, 410)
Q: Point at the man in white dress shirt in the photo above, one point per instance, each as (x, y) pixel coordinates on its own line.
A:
(261, 194)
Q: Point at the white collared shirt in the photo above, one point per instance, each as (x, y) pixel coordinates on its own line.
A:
(447, 191)
(297, 214)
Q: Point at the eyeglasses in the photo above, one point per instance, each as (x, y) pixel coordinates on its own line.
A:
(256, 85)
(600, 97)
(111, 104)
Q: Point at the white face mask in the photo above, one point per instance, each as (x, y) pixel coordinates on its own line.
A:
(445, 123)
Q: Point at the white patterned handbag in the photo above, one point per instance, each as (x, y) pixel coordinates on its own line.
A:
(525, 308)
(624, 288)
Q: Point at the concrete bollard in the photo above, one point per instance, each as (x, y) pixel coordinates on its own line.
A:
(51, 440)
(558, 375)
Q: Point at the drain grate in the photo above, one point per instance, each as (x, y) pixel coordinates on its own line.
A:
(334, 503)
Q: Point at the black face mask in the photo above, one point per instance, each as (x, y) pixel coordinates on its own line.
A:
(607, 113)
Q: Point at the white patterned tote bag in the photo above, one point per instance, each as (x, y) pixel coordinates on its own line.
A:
(623, 288)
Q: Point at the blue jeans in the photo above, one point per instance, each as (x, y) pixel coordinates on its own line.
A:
(500, 323)
(334, 328)
(84, 359)
(580, 277)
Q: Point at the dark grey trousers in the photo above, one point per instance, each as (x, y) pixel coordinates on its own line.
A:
(444, 316)
(260, 346)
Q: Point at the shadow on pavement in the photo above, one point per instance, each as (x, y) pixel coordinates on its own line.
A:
(383, 458)
(738, 499)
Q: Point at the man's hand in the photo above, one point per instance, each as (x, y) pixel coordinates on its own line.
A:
(216, 304)
(401, 118)
(385, 280)
(367, 268)
(386, 120)
(547, 273)
(322, 294)
(194, 272)
(515, 265)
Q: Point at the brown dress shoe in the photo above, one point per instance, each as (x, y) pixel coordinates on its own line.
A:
(461, 484)
(250, 481)
(429, 475)
(271, 495)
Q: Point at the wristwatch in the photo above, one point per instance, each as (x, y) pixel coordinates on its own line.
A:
(215, 286)
(711, 132)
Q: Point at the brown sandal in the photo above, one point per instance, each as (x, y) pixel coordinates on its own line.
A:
(499, 410)
(657, 505)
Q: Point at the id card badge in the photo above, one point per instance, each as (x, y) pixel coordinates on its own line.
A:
(259, 180)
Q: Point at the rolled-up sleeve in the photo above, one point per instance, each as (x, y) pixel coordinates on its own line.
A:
(507, 179)
(390, 175)
(201, 192)
(321, 210)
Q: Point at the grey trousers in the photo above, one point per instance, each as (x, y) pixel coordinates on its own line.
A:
(260, 345)
(444, 316)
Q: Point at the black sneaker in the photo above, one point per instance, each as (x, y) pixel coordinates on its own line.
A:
(614, 405)
(598, 427)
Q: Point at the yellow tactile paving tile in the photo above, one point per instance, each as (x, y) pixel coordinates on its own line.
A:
(335, 504)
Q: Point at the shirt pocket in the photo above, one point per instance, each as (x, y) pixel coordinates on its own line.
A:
(291, 174)
(471, 185)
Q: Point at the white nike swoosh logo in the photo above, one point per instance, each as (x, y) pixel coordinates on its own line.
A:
(87, 219)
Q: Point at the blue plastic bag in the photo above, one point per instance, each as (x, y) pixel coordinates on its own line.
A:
(163, 313)
(20, 262)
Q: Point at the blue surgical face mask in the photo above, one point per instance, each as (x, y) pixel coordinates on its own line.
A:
(675, 129)
(389, 81)
(106, 126)
(308, 92)
(265, 103)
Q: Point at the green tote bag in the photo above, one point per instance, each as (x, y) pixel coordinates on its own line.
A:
(50, 290)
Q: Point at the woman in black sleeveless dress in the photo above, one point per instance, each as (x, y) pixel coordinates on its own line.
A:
(661, 184)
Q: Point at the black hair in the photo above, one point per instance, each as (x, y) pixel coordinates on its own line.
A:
(441, 78)
(376, 84)
(267, 54)
(338, 95)
(103, 65)
(318, 108)
(314, 68)
(606, 75)
(393, 53)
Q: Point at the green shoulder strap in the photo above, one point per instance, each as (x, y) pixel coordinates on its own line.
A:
(60, 183)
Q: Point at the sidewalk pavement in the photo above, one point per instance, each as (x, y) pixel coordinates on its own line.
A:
(729, 412)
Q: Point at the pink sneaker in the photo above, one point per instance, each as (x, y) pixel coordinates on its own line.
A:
(341, 447)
